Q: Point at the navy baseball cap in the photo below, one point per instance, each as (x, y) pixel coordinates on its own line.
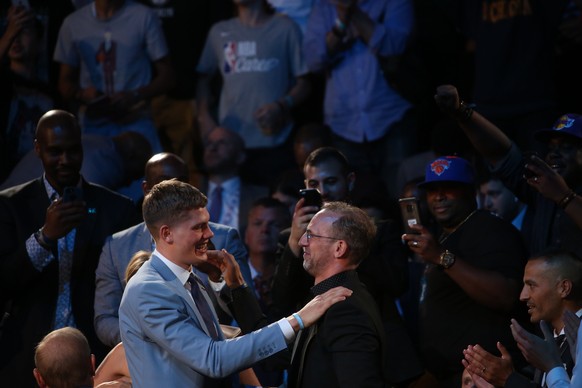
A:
(568, 125)
(449, 169)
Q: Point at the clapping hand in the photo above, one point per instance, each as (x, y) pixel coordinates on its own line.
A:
(541, 353)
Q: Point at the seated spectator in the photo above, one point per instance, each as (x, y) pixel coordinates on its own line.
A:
(229, 195)
(63, 359)
(267, 218)
(499, 200)
(551, 287)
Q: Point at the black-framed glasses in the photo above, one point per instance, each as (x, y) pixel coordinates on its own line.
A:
(310, 235)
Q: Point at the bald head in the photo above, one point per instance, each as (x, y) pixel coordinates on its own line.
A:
(56, 120)
(224, 152)
(63, 359)
(164, 166)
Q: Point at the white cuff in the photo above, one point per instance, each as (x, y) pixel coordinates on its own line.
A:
(287, 330)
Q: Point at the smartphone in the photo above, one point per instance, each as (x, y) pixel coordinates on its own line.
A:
(527, 159)
(312, 197)
(71, 194)
(410, 213)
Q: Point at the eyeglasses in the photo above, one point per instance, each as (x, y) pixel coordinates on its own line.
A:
(310, 235)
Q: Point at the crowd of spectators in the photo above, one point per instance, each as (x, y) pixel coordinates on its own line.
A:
(463, 105)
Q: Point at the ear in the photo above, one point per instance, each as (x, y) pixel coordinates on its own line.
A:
(166, 234)
(38, 378)
(144, 187)
(341, 249)
(93, 364)
(565, 288)
(36, 148)
(351, 181)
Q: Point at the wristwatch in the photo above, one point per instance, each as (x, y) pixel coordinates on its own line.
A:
(447, 259)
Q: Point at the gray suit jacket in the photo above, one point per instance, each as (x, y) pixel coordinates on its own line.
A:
(116, 253)
(166, 342)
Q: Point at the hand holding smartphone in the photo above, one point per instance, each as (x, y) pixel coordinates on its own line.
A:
(312, 197)
(72, 194)
(410, 214)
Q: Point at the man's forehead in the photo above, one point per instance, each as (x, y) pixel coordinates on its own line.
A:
(562, 139)
(323, 170)
(322, 218)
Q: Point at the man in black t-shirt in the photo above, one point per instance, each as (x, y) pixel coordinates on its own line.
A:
(473, 273)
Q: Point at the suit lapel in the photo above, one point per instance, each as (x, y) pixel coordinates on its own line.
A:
(175, 284)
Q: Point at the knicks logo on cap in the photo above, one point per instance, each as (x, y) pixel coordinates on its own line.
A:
(439, 166)
(564, 122)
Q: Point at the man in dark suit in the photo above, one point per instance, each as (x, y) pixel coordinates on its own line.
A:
(384, 271)
(52, 232)
(229, 197)
(551, 287)
(346, 347)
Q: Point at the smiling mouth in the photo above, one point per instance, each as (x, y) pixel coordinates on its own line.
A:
(201, 248)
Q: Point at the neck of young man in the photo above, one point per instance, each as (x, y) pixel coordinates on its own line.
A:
(105, 9)
(253, 14)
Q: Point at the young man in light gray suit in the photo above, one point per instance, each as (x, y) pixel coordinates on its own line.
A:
(167, 336)
(119, 248)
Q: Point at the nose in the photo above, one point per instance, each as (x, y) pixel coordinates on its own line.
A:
(208, 233)
(64, 158)
(264, 229)
(488, 202)
(524, 295)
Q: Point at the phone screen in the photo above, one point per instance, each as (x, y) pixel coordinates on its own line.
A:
(71, 194)
(312, 197)
(410, 213)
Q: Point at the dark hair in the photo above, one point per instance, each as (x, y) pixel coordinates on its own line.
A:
(566, 265)
(325, 154)
(272, 203)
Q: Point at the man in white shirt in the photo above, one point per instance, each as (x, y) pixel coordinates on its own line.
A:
(550, 290)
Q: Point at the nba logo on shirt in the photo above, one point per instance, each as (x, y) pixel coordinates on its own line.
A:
(229, 57)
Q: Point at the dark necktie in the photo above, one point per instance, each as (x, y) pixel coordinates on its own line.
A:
(216, 204)
(565, 355)
(196, 289)
(564, 351)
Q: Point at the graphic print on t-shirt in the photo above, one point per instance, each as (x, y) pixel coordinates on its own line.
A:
(241, 57)
(106, 56)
